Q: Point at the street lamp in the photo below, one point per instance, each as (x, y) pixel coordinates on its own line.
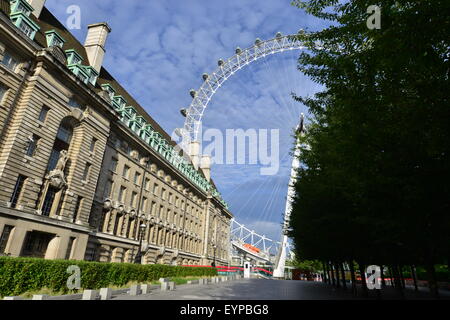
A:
(138, 257)
(214, 261)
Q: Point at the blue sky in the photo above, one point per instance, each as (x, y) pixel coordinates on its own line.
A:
(158, 50)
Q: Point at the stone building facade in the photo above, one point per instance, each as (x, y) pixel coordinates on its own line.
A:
(85, 172)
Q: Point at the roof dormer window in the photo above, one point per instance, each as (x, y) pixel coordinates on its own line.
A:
(108, 88)
(21, 6)
(54, 39)
(93, 75)
(119, 102)
(80, 72)
(73, 57)
(20, 12)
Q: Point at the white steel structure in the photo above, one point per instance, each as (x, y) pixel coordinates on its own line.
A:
(194, 114)
(281, 259)
(240, 235)
(202, 97)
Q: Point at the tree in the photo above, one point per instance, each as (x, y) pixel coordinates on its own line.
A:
(373, 186)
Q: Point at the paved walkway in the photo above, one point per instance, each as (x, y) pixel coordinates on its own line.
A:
(259, 289)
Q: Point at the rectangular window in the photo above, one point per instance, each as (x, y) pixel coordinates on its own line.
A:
(147, 184)
(5, 237)
(2, 92)
(108, 189)
(69, 248)
(122, 193)
(9, 61)
(17, 190)
(48, 201)
(153, 208)
(144, 204)
(93, 143)
(163, 194)
(77, 210)
(54, 156)
(43, 114)
(126, 172)
(25, 28)
(155, 189)
(32, 145)
(113, 165)
(161, 212)
(133, 199)
(56, 42)
(170, 198)
(137, 178)
(86, 172)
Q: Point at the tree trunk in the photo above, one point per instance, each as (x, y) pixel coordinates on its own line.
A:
(362, 270)
(383, 282)
(352, 274)
(324, 278)
(414, 276)
(344, 283)
(397, 280)
(332, 274)
(391, 277)
(432, 283)
(336, 271)
(402, 277)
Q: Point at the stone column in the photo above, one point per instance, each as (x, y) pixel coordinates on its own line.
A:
(106, 221)
(16, 241)
(125, 221)
(112, 222)
(52, 248)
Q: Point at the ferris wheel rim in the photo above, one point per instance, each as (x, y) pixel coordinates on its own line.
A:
(213, 82)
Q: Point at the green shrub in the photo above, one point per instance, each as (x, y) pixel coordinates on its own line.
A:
(20, 275)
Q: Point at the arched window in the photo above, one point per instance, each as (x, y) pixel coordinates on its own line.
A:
(62, 142)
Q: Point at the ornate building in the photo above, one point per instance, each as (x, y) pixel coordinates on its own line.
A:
(85, 172)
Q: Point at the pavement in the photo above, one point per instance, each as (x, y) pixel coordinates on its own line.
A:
(261, 289)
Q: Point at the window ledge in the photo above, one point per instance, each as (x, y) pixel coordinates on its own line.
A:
(40, 124)
(28, 159)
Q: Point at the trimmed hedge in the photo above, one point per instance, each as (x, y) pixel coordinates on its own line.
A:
(20, 275)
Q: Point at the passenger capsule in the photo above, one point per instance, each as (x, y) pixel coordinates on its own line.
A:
(193, 93)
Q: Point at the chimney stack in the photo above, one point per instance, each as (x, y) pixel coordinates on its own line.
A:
(194, 153)
(206, 167)
(37, 5)
(95, 44)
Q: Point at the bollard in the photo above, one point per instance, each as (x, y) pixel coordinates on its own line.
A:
(171, 286)
(145, 289)
(135, 290)
(105, 293)
(40, 297)
(89, 295)
(164, 286)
